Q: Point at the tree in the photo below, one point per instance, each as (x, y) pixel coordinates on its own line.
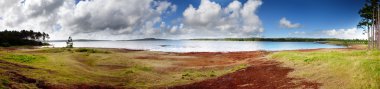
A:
(69, 43)
(45, 36)
(369, 14)
(23, 37)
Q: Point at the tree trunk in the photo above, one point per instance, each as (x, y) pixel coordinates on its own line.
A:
(369, 37)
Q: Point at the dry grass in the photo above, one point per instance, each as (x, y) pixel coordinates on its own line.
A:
(132, 69)
(335, 69)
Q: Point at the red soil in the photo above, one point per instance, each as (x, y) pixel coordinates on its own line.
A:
(263, 74)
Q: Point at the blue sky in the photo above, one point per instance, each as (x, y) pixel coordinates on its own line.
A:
(183, 19)
(313, 15)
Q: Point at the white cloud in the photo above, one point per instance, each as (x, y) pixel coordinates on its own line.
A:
(298, 33)
(211, 20)
(129, 19)
(352, 33)
(285, 23)
(62, 18)
(39, 15)
(133, 18)
(207, 12)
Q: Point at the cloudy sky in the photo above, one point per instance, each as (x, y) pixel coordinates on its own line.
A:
(183, 19)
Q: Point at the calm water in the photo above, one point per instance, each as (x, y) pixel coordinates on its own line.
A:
(200, 46)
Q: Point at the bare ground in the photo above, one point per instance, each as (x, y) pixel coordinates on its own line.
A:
(261, 74)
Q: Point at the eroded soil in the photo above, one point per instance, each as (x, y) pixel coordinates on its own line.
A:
(261, 73)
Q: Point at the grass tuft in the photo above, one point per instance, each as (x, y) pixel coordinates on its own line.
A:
(192, 75)
(24, 58)
(4, 82)
(238, 67)
(138, 68)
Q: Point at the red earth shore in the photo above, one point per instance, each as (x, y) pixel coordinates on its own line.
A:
(260, 74)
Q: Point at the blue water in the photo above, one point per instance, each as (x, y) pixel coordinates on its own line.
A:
(200, 46)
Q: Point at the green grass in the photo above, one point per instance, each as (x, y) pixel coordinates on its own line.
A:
(138, 68)
(24, 58)
(238, 67)
(3, 83)
(356, 69)
(192, 75)
(55, 50)
(71, 50)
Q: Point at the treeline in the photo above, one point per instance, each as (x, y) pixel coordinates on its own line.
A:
(23, 37)
(285, 39)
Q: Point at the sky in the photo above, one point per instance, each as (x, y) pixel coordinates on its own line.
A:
(184, 19)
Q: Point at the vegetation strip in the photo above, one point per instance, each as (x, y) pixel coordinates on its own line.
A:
(350, 69)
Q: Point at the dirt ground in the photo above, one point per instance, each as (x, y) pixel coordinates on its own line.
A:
(260, 73)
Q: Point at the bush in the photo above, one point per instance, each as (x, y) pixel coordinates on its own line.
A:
(5, 44)
(90, 50)
(85, 50)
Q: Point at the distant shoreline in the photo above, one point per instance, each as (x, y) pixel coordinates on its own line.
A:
(232, 39)
(351, 47)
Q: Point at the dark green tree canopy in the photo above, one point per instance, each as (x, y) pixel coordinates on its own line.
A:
(23, 37)
(367, 13)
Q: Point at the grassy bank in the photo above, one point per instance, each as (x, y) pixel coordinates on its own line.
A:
(335, 69)
(81, 67)
(109, 67)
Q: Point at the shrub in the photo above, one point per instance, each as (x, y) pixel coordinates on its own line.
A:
(90, 50)
(5, 44)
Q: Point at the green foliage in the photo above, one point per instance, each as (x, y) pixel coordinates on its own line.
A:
(90, 50)
(23, 58)
(367, 12)
(5, 44)
(4, 83)
(345, 43)
(19, 38)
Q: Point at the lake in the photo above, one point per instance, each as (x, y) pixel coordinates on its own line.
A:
(199, 46)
